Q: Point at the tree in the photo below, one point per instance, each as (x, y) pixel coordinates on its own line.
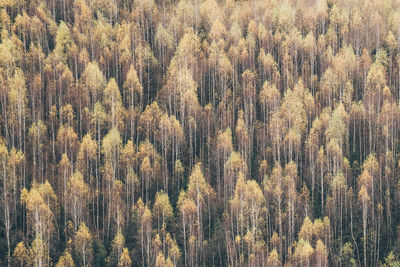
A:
(113, 104)
(246, 207)
(224, 148)
(178, 171)
(37, 136)
(17, 99)
(274, 187)
(165, 128)
(173, 250)
(163, 209)
(254, 200)
(160, 261)
(134, 96)
(321, 254)
(234, 165)
(391, 260)
(83, 244)
(86, 154)
(145, 228)
(65, 260)
(178, 137)
(41, 205)
(337, 125)
(128, 162)
(188, 212)
(149, 119)
(86, 163)
(10, 54)
(65, 171)
(111, 148)
(124, 260)
(346, 254)
(291, 179)
(39, 252)
(269, 98)
(306, 230)
(303, 252)
(98, 118)
(364, 199)
(294, 115)
(6, 197)
(273, 259)
(117, 205)
(67, 141)
(134, 88)
(94, 80)
(201, 193)
(117, 246)
(243, 136)
(149, 166)
(64, 42)
(77, 191)
(20, 254)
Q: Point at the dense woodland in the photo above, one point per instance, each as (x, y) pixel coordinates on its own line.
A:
(199, 133)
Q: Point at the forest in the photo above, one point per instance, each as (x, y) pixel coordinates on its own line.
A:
(199, 133)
